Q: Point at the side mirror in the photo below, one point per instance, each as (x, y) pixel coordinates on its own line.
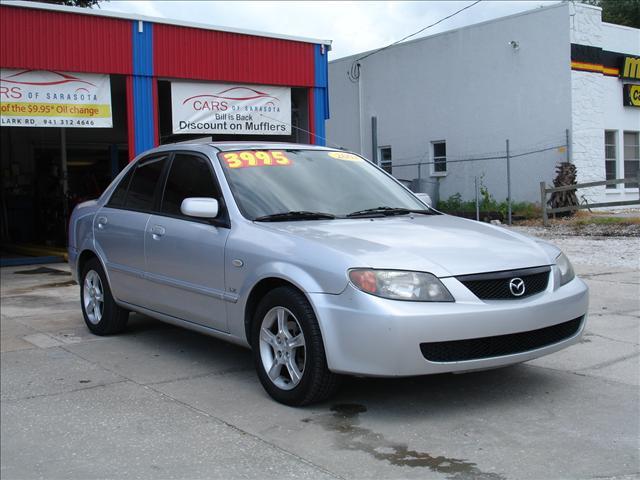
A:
(424, 198)
(200, 207)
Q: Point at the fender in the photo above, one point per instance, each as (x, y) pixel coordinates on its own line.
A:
(277, 270)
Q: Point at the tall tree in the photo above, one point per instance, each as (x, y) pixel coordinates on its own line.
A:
(620, 12)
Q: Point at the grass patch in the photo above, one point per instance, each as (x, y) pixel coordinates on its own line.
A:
(527, 213)
(601, 220)
(455, 204)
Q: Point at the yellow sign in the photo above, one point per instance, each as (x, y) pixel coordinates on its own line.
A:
(345, 156)
(18, 109)
(631, 93)
(630, 68)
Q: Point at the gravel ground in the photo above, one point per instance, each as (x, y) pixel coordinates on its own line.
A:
(572, 229)
(606, 251)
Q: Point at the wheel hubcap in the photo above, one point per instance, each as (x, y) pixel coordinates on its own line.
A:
(92, 297)
(282, 348)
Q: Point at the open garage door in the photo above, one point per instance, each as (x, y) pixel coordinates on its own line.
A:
(51, 162)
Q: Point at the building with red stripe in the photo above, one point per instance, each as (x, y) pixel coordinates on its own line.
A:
(57, 163)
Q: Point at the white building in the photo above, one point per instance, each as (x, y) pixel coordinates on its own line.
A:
(529, 78)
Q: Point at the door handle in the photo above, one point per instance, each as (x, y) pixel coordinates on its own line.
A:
(102, 221)
(157, 231)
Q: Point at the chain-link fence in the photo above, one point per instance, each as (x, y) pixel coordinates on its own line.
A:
(515, 171)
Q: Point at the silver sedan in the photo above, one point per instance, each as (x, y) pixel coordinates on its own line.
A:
(321, 263)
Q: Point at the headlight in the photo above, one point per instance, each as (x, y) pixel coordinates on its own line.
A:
(566, 270)
(398, 285)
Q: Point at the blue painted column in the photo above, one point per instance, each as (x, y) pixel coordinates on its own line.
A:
(320, 93)
(142, 93)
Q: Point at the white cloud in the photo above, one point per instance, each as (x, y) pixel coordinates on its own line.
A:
(353, 26)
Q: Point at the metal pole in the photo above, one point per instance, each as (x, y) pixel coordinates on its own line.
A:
(374, 140)
(475, 179)
(508, 185)
(566, 133)
(63, 161)
(543, 203)
(64, 176)
(360, 122)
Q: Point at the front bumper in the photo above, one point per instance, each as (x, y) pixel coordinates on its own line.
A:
(371, 336)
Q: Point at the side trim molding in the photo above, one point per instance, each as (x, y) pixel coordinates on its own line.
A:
(162, 280)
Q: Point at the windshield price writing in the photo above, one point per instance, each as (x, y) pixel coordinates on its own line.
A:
(256, 159)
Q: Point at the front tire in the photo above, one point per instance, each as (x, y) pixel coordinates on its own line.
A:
(288, 350)
(101, 313)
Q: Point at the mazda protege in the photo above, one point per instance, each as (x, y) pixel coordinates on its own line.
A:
(321, 263)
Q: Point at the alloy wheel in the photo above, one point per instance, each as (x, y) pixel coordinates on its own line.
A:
(282, 348)
(93, 297)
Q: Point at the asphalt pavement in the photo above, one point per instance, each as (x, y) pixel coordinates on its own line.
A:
(160, 402)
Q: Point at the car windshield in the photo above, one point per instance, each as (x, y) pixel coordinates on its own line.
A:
(307, 182)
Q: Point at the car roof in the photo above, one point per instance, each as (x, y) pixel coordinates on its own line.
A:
(244, 145)
(248, 145)
(200, 145)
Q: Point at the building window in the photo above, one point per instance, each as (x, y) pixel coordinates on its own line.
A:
(385, 159)
(610, 156)
(439, 157)
(631, 157)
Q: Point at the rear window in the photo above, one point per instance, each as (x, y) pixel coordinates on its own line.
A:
(144, 183)
(137, 189)
(120, 193)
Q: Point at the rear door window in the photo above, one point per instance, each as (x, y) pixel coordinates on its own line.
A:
(119, 195)
(143, 185)
(189, 176)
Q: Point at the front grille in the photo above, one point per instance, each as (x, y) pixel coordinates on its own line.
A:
(495, 285)
(486, 347)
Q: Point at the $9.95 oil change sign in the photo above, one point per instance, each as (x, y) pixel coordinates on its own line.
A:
(230, 108)
(40, 98)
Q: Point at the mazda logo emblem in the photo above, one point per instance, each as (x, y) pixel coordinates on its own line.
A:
(516, 286)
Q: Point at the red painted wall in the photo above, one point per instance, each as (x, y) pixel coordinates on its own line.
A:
(181, 52)
(45, 40)
(86, 43)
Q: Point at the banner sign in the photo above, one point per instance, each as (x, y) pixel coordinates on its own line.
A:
(231, 109)
(38, 98)
(631, 95)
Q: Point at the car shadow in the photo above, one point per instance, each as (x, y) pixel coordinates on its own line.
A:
(378, 416)
(433, 393)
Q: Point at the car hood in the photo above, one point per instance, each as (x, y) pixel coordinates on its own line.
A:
(439, 244)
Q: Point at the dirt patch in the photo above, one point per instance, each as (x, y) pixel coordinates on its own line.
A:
(610, 252)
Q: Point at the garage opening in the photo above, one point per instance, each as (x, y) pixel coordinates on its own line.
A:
(46, 171)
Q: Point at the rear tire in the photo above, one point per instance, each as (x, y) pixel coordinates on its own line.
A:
(288, 350)
(101, 313)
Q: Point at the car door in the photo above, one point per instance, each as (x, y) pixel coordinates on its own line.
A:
(185, 255)
(119, 228)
